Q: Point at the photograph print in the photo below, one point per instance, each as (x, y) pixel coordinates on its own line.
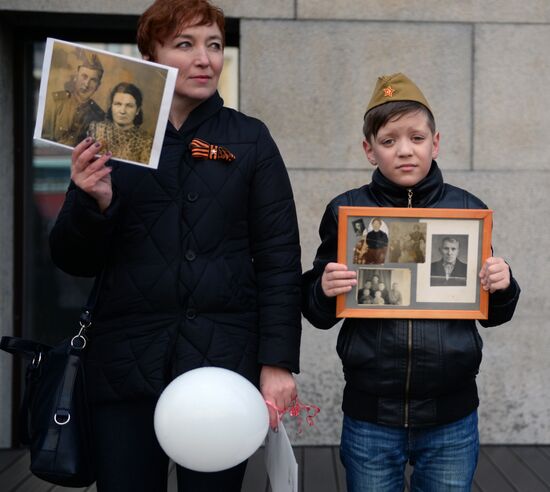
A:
(449, 260)
(383, 286)
(119, 101)
(371, 246)
(407, 242)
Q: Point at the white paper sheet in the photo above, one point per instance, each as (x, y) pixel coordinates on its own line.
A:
(280, 461)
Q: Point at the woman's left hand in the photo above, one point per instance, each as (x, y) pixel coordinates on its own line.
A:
(495, 274)
(277, 386)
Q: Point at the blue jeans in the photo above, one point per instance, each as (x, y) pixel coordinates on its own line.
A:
(444, 457)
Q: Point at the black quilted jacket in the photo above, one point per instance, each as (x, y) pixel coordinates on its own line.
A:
(201, 260)
(403, 372)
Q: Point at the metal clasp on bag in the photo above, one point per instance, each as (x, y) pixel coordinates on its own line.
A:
(36, 360)
(81, 335)
(66, 416)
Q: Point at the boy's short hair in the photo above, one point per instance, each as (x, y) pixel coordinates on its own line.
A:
(377, 117)
(394, 96)
(165, 17)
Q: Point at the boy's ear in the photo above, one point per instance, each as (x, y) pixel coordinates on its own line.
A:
(367, 147)
(435, 149)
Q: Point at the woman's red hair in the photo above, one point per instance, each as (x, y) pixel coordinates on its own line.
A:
(165, 17)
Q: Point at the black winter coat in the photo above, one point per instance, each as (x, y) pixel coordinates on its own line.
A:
(443, 356)
(201, 260)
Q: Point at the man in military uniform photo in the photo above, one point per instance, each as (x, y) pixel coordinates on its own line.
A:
(68, 113)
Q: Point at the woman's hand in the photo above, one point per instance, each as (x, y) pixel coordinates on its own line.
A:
(495, 274)
(278, 387)
(337, 279)
(90, 173)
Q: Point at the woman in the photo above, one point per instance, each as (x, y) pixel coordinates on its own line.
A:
(120, 133)
(200, 258)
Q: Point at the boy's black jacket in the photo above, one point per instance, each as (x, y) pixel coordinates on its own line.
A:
(445, 355)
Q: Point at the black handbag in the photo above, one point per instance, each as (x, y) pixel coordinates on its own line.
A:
(55, 416)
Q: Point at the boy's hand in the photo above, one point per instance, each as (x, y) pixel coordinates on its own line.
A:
(337, 279)
(495, 274)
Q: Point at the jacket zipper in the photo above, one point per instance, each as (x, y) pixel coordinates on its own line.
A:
(409, 342)
(409, 370)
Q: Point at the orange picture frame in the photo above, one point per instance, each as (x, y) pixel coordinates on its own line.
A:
(414, 262)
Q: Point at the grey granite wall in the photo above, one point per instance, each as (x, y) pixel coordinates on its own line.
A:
(311, 80)
(307, 69)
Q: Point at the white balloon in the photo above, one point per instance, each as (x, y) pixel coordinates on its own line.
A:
(210, 419)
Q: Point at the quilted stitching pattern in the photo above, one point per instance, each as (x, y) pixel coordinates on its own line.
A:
(202, 263)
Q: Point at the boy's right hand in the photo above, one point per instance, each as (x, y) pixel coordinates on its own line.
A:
(337, 279)
(91, 174)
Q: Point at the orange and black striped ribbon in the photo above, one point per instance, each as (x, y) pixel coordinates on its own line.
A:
(203, 150)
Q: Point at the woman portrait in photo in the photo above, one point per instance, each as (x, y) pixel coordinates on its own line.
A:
(120, 132)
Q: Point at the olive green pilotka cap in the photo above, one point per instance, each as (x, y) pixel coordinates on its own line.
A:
(396, 87)
(90, 60)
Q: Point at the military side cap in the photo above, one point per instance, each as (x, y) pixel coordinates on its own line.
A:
(91, 60)
(396, 87)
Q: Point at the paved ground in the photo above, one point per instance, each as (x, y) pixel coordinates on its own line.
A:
(500, 469)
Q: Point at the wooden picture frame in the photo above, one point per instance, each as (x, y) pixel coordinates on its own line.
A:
(414, 262)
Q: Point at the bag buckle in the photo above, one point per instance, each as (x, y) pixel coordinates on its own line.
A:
(62, 417)
(36, 360)
(79, 341)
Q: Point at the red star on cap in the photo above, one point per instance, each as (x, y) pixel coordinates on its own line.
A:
(388, 91)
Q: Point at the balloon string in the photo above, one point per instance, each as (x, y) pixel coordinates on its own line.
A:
(295, 410)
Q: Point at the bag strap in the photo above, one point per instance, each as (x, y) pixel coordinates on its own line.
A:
(62, 413)
(25, 348)
(88, 308)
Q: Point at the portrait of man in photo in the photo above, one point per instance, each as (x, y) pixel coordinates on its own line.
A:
(449, 270)
(68, 113)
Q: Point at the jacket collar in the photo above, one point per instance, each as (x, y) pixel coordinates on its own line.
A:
(424, 194)
(200, 114)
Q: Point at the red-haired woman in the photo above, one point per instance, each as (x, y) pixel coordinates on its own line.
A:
(200, 258)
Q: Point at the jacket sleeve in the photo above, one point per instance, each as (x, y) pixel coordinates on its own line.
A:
(80, 238)
(502, 304)
(275, 248)
(319, 309)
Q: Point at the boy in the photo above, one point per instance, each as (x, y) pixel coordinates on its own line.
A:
(410, 390)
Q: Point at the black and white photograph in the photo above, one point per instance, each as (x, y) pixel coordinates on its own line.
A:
(119, 101)
(358, 227)
(449, 260)
(449, 274)
(384, 286)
